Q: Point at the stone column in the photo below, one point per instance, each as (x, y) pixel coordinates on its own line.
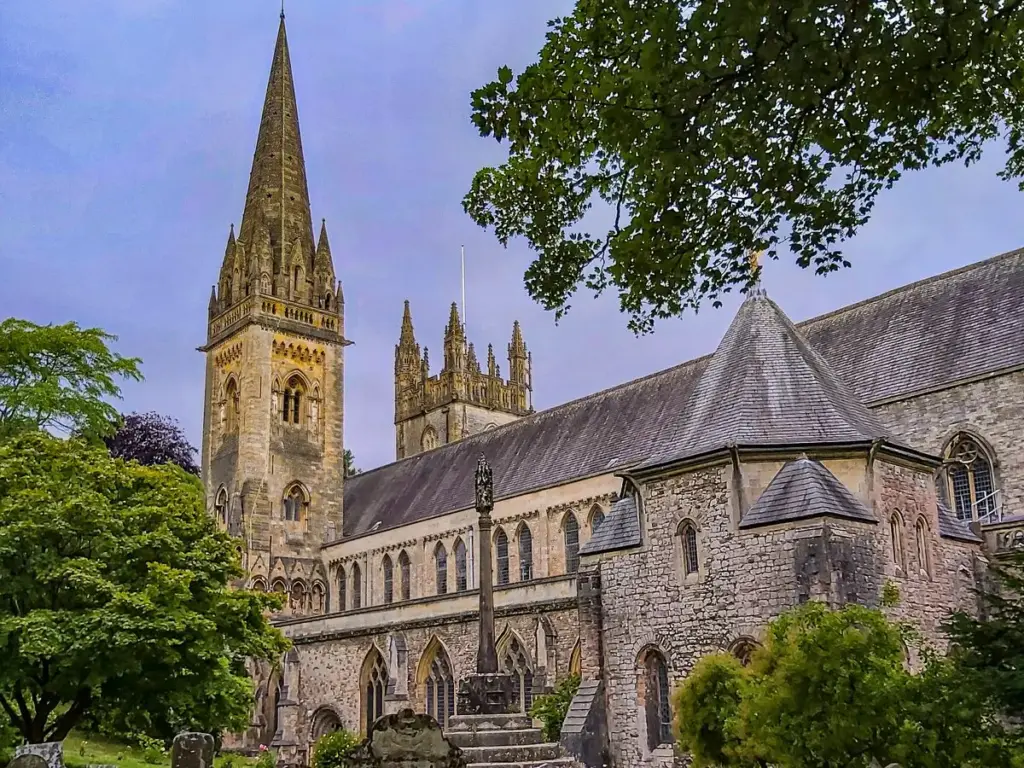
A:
(486, 692)
(486, 655)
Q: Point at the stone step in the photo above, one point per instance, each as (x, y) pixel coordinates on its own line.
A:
(518, 754)
(506, 737)
(475, 723)
(556, 763)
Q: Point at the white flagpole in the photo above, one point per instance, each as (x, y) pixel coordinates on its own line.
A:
(463, 286)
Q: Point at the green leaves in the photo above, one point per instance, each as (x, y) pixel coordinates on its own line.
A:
(114, 595)
(830, 688)
(552, 708)
(704, 130)
(59, 377)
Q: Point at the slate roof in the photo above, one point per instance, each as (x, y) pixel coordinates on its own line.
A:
(765, 386)
(934, 332)
(801, 489)
(952, 527)
(620, 529)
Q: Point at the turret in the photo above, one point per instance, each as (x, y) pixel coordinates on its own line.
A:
(518, 358)
(454, 342)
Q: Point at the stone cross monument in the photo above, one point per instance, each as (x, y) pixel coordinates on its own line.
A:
(487, 692)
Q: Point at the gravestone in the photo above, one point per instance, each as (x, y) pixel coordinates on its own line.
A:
(406, 740)
(192, 750)
(27, 760)
(52, 752)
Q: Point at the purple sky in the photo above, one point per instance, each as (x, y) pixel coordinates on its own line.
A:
(126, 133)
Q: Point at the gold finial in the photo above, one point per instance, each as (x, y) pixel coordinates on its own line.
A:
(755, 259)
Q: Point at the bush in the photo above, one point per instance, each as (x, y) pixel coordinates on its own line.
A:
(267, 758)
(332, 748)
(550, 709)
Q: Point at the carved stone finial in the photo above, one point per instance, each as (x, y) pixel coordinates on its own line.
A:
(484, 485)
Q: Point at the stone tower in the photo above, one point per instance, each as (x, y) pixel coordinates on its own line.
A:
(462, 399)
(272, 435)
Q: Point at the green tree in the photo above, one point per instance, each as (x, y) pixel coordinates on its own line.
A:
(350, 464)
(707, 129)
(551, 708)
(830, 689)
(115, 596)
(60, 377)
(992, 645)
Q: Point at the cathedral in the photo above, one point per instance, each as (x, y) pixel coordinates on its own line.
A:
(635, 529)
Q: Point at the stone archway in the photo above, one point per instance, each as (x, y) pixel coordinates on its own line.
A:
(324, 721)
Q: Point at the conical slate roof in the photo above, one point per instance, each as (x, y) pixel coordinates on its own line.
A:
(766, 386)
(801, 489)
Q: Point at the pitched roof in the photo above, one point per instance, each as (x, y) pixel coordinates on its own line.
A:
(952, 527)
(801, 489)
(765, 385)
(620, 529)
(938, 331)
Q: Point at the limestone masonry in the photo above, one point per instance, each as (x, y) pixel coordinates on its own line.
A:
(635, 529)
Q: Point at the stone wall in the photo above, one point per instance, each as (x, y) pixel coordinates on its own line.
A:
(747, 577)
(991, 409)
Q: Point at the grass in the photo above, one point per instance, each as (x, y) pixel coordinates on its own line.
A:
(88, 749)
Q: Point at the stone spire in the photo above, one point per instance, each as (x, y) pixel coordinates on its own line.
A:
(471, 362)
(323, 264)
(278, 196)
(454, 342)
(518, 359)
(407, 351)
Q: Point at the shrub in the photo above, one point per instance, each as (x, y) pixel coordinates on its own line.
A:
(550, 708)
(332, 748)
(267, 759)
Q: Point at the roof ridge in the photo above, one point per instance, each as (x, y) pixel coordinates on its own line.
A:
(916, 284)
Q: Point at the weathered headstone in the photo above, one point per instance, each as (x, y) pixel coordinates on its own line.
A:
(192, 750)
(406, 740)
(27, 760)
(52, 752)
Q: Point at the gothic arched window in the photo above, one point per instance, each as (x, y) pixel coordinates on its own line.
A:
(440, 687)
(404, 574)
(688, 540)
(596, 518)
(342, 590)
(291, 409)
(571, 532)
(220, 506)
(461, 582)
(896, 536)
(525, 553)
(441, 568)
(389, 580)
(654, 695)
(515, 663)
(501, 551)
(924, 555)
(231, 406)
(971, 485)
(317, 600)
(357, 586)
(295, 503)
(297, 601)
(375, 685)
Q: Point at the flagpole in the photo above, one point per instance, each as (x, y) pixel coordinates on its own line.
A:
(463, 286)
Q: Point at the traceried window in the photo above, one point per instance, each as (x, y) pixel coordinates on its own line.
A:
(461, 581)
(220, 506)
(571, 532)
(596, 518)
(389, 580)
(501, 553)
(654, 692)
(291, 403)
(357, 586)
(404, 569)
(896, 539)
(525, 553)
(688, 541)
(375, 686)
(924, 555)
(515, 663)
(441, 568)
(440, 688)
(294, 503)
(342, 590)
(971, 486)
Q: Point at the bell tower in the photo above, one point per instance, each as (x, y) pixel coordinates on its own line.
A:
(272, 457)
